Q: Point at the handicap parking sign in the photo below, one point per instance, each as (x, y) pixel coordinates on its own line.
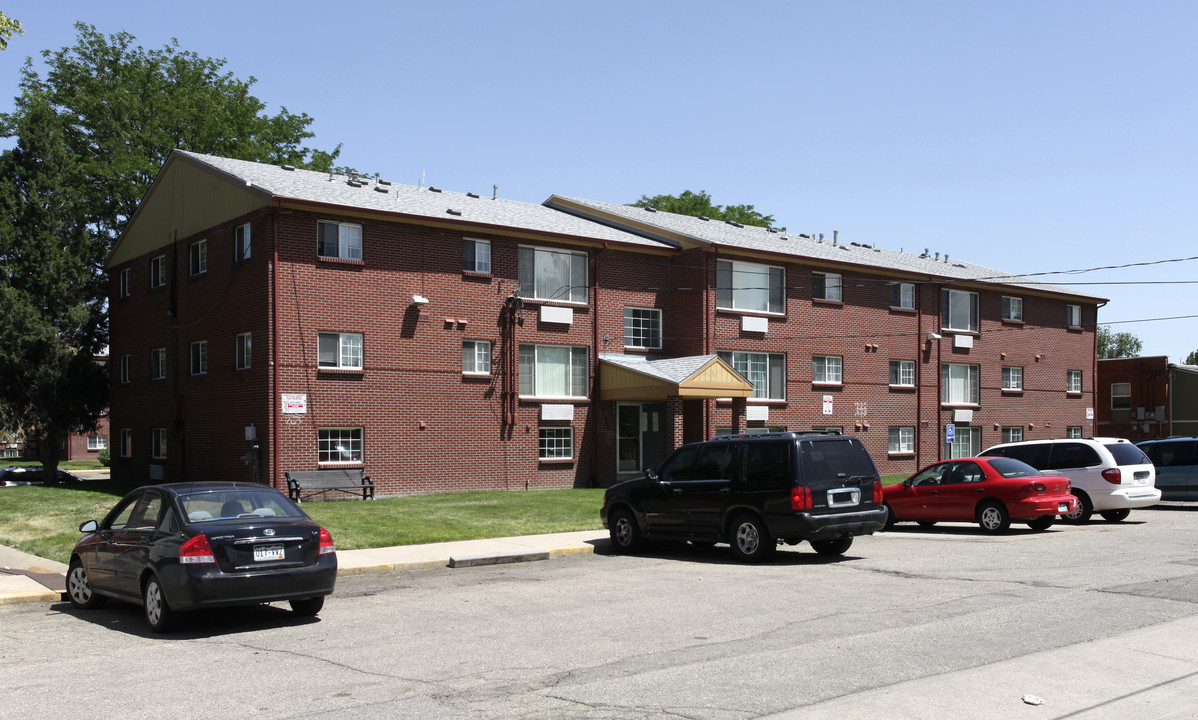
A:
(950, 433)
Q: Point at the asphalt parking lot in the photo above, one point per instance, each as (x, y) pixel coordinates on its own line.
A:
(1096, 621)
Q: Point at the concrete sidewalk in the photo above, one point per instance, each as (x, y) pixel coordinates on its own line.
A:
(27, 578)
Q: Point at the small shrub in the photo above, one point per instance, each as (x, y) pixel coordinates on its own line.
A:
(105, 457)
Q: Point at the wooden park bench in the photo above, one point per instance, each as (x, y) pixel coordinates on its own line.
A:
(319, 482)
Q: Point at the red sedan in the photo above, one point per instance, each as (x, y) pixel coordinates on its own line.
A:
(991, 491)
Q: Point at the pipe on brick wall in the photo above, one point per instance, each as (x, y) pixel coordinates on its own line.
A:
(273, 431)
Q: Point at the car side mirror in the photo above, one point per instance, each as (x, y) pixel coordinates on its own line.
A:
(89, 526)
(650, 474)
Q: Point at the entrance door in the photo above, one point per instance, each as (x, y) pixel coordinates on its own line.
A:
(641, 436)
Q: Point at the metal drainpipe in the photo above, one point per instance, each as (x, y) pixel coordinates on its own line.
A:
(594, 415)
(708, 405)
(274, 350)
(918, 376)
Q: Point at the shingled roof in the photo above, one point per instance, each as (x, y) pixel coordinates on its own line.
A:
(668, 227)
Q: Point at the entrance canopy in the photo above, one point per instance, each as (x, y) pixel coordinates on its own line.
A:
(636, 377)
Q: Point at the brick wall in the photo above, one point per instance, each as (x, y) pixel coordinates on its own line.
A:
(429, 427)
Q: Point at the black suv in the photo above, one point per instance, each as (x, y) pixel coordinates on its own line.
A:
(752, 491)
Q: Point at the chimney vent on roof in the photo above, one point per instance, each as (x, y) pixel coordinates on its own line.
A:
(733, 223)
(650, 208)
(494, 192)
(937, 255)
(835, 236)
(289, 168)
(473, 195)
(451, 211)
(433, 189)
(704, 218)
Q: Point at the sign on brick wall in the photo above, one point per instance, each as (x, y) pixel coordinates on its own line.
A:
(295, 403)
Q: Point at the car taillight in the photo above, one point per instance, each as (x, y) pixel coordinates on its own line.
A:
(1034, 488)
(1112, 475)
(800, 498)
(326, 542)
(878, 492)
(196, 551)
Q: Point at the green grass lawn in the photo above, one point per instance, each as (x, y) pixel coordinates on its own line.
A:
(44, 521)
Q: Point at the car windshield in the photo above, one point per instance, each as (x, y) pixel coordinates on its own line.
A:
(1127, 454)
(237, 503)
(1012, 468)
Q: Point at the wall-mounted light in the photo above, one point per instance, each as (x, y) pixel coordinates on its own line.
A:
(933, 336)
(418, 300)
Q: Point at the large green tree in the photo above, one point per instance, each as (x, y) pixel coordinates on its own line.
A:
(1116, 345)
(91, 137)
(52, 296)
(132, 106)
(699, 204)
(8, 26)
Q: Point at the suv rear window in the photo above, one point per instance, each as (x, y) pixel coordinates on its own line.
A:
(825, 459)
(1127, 454)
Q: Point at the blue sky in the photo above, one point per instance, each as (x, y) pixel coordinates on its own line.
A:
(1026, 136)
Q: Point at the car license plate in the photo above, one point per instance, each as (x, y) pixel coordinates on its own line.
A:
(268, 552)
(1062, 507)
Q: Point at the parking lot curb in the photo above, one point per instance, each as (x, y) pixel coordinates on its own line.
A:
(460, 561)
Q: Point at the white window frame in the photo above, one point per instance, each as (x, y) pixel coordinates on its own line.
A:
(1012, 378)
(1073, 432)
(640, 325)
(476, 357)
(243, 346)
(904, 294)
(158, 364)
(199, 357)
(198, 257)
(948, 382)
(750, 287)
(1012, 434)
(242, 242)
(126, 283)
(97, 442)
(901, 441)
(126, 442)
(766, 372)
(555, 443)
(349, 240)
(1125, 394)
(537, 284)
(967, 443)
(539, 369)
(952, 310)
(827, 370)
(1073, 381)
(126, 369)
(351, 349)
(158, 443)
(158, 271)
(1012, 308)
(1073, 316)
(827, 286)
(333, 443)
(476, 256)
(902, 373)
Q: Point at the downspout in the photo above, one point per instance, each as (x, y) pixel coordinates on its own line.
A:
(1094, 373)
(708, 405)
(274, 349)
(918, 376)
(939, 370)
(594, 423)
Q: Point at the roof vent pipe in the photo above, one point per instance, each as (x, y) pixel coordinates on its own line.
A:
(835, 235)
(937, 254)
(494, 192)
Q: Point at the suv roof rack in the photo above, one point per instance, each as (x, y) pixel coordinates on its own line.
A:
(779, 433)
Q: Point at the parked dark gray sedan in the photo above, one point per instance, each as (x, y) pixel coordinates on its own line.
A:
(184, 546)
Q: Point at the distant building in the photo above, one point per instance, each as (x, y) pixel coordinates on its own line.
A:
(1143, 398)
(447, 341)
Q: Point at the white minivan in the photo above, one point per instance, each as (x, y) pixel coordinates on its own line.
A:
(1108, 475)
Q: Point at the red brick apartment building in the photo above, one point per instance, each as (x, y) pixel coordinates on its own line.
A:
(1144, 398)
(446, 341)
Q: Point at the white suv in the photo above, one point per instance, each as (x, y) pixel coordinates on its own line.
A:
(1110, 475)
